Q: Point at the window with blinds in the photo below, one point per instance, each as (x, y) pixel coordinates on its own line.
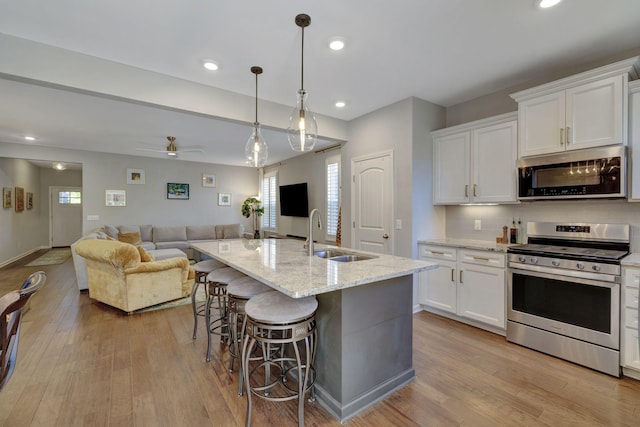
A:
(333, 194)
(269, 187)
(69, 197)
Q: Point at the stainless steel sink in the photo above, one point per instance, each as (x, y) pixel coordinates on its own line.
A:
(341, 256)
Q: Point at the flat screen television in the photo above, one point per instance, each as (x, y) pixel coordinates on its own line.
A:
(293, 200)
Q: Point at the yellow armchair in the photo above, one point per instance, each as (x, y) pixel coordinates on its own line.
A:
(119, 278)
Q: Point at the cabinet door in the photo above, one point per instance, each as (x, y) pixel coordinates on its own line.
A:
(438, 287)
(594, 114)
(493, 165)
(634, 138)
(630, 348)
(481, 294)
(451, 168)
(541, 125)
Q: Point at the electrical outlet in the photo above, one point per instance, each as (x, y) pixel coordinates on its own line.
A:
(93, 217)
(398, 224)
(477, 224)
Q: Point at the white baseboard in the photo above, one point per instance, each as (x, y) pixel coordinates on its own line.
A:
(17, 257)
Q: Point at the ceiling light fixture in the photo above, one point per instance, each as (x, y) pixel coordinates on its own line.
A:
(303, 128)
(210, 65)
(256, 150)
(547, 3)
(59, 166)
(340, 104)
(336, 44)
(30, 138)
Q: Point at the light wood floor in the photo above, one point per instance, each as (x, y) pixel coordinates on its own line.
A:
(84, 364)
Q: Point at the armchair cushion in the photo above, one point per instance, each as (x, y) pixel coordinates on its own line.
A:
(132, 238)
(144, 255)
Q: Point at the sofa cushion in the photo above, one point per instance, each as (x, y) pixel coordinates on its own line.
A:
(201, 232)
(144, 255)
(169, 234)
(232, 231)
(131, 238)
(111, 231)
(178, 244)
(146, 233)
(148, 246)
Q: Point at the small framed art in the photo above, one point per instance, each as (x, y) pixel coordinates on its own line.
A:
(135, 176)
(115, 197)
(19, 199)
(208, 180)
(29, 200)
(177, 191)
(224, 199)
(6, 197)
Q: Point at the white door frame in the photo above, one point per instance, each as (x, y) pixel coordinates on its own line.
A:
(355, 160)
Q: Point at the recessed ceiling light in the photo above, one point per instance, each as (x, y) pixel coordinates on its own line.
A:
(340, 104)
(547, 3)
(59, 166)
(210, 65)
(336, 43)
(30, 138)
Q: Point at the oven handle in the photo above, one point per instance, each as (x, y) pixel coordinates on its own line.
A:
(585, 277)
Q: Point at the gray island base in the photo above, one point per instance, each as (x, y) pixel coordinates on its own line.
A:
(364, 316)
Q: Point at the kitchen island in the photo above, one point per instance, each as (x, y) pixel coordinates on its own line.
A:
(364, 315)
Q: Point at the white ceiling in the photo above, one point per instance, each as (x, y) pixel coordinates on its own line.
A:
(442, 51)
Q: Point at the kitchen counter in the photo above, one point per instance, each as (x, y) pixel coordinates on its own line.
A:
(364, 317)
(631, 260)
(484, 245)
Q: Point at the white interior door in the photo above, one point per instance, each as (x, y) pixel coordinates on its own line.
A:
(372, 203)
(66, 215)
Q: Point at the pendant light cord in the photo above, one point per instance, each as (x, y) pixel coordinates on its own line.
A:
(256, 122)
(302, 60)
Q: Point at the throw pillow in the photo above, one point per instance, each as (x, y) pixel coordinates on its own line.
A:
(132, 238)
(144, 255)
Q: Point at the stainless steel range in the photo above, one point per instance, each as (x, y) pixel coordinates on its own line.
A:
(563, 292)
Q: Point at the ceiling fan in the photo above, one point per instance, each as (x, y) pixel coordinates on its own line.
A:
(173, 150)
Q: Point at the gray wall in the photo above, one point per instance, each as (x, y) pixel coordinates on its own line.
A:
(146, 204)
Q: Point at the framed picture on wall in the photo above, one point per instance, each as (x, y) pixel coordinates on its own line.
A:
(177, 191)
(29, 200)
(135, 176)
(208, 180)
(19, 199)
(224, 199)
(6, 197)
(115, 198)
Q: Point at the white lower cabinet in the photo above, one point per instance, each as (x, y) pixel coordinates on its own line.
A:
(469, 284)
(629, 342)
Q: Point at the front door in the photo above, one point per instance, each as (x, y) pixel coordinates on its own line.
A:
(66, 215)
(372, 185)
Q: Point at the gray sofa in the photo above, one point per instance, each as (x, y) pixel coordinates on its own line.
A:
(157, 239)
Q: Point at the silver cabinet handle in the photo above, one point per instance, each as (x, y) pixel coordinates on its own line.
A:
(461, 277)
(437, 253)
(561, 136)
(475, 186)
(453, 278)
(385, 236)
(568, 133)
(479, 258)
(466, 190)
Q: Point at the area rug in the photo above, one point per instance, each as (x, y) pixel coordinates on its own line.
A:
(200, 298)
(52, 257)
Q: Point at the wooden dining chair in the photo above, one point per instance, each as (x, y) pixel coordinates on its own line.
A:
(12, 307)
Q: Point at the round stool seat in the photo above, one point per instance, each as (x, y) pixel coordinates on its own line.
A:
(246, 287)
(275, 307)
(208, 265)
(224, 276)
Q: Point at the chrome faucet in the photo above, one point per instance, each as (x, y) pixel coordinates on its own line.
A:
(313, 212)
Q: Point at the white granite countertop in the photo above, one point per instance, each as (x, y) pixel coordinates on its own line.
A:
(284, 265)
(468, 244)
(631, 260)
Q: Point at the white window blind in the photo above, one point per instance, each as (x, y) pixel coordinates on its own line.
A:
(333, 195)
(269, 185)
(69, 197)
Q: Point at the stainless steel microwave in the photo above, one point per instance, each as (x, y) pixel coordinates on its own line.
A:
(576, 174)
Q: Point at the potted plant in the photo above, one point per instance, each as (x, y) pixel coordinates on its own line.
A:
(253, 207)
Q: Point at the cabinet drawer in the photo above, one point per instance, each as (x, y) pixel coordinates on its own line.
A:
(631, 317)
(630, 348)
(630, 297)
(488, 258)
(438, 252)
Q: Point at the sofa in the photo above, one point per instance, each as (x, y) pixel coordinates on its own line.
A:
(157, 240)
(118, 275)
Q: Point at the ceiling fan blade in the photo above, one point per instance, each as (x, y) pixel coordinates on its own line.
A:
(151, 149)
(191, 149)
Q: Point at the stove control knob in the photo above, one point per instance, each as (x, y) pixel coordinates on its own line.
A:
(522, 258)
(555, 263)
(595, 267)
(534, 260)
(580, 266)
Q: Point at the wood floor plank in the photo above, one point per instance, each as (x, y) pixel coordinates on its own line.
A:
(82, 363)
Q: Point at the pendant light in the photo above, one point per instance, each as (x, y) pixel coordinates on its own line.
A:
(303, 128)
(256, 150)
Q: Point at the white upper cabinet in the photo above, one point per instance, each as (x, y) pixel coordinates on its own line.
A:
(582, 111)
(475, 162)
(634, 139)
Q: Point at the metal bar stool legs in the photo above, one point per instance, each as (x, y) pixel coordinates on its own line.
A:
(202, 269)
(274, 319)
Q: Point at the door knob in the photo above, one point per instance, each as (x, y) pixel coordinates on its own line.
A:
(385, 236)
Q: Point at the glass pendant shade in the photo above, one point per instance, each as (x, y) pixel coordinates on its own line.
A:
(256, 150)
(303, 127)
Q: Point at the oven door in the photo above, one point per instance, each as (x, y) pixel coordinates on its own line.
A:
(584, 309)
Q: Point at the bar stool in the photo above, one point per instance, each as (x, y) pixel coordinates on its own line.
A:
(202, 269)
(240, 291)
(217, 290)
(276, 319)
